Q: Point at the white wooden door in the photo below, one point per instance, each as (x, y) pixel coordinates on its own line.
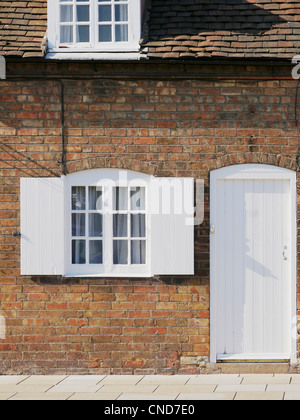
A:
(252, 263)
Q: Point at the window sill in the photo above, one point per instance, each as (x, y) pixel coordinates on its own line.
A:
(110, 275)
(97, 56)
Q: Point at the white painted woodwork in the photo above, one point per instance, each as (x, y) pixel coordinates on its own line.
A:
(135, 8)
(46, 225)
(107, 179)
(253, 212)
(172, 235)
(42, 226)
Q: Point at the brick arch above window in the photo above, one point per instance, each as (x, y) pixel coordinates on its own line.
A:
(114, 162)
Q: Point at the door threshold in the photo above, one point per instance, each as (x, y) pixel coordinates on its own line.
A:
(254, 361)
(253, 358)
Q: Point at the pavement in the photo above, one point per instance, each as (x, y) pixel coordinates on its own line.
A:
(151, 387)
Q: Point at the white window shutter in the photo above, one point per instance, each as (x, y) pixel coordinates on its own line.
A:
(172, 226)
(42, 226)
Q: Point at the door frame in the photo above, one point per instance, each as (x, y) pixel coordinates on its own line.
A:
(248, 172)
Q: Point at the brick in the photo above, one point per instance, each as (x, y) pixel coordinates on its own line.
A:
(139, 314)
(38, 296)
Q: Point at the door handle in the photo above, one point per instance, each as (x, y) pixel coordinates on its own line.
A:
(283, 253)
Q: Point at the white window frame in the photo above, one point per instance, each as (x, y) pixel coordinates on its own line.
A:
(134, 31)
(107, 180)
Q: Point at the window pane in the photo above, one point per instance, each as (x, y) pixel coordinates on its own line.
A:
(78, 224)
(78, 198)
(121, 33)
(138, 228)
(95, 198)
(120, 199)
(120, 250)
(83, 13)
(137, 198)
(78, 252)
(120, 225)
(121, 13)
(95, 224)
(66, 13)
(66, 34)
(83, 33)
(138, 252)
(105, 13)
(105, 33)
(96, 252)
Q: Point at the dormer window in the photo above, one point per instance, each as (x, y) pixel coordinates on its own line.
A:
(94, 25)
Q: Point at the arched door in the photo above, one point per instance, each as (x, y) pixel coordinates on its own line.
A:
(253, 263)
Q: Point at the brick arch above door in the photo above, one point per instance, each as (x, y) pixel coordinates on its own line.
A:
(262, 158)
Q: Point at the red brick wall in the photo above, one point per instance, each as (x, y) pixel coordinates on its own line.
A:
(160, 123)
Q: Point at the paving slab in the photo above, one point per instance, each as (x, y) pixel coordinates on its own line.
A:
(206, 396)
(29, 389)
(167, 389)
(40, 396)
(283, 387)
(78, 383)
(281, 378)
(259, 396)
(132, 389)
(12, 379)
(146, 397)
(292, 395)
(165, 379)
(95, 396)
(266, 379)
(83, 379)
(240, 388)
(215, 379)
(74, 388)
(121, 380)
(44, 380)
(6, 395)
